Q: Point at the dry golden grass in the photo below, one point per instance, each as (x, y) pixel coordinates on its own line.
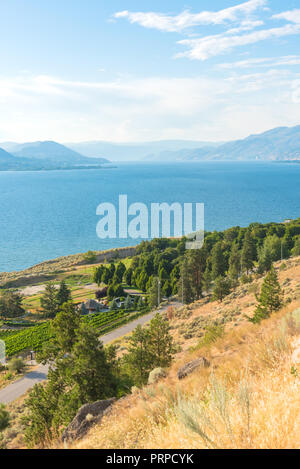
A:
(248, 398)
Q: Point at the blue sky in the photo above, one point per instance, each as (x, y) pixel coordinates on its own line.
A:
(73, 70)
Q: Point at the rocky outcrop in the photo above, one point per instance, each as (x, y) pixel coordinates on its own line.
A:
(187, 369)
(87, 416)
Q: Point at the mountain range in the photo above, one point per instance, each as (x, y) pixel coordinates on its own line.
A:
(279, 144)
(282, 143)
(43, 156)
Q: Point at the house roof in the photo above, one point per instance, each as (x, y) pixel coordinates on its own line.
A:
(91, 304)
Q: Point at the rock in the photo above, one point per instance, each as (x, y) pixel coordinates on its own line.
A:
(156, 375)
(87, 416)
(187, 369)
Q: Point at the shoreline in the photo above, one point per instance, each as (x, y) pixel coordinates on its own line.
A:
(45, 270)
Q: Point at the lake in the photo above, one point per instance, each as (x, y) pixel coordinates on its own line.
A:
(44, 215)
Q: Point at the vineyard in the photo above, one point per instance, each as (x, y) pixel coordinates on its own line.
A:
(33, 338)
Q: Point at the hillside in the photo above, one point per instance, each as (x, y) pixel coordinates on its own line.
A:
(282, 143)
(247, 398)
(53, 152)
(8, 162)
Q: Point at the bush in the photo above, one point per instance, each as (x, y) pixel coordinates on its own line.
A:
(16, 365)
(156, 375)
(4, 418)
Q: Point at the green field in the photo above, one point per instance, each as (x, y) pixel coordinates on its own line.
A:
(32, 338)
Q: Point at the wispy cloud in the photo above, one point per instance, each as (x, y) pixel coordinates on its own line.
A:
(292, 15)
(210, 46)
(288, 60)
(237, 20)
(206, 107)
(185, 20)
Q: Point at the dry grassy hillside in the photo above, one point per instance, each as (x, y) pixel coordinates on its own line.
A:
(249, 397)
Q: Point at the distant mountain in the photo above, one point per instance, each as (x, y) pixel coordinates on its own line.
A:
(282, 143)
(44, 156)
(9, 162)
(52, 152)
(135, 151)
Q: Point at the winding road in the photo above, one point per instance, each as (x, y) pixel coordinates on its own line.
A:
(17, 389)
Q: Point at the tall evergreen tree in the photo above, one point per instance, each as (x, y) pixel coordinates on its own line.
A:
(138, 358)
(161, 345)
(63, 294)
(234, 263)
(248, 252)
(11, 305)
(185, 287)
(218, 264)
(154, 293)
(221, 288)
(49, 302)
(270, 298)
(197, 264)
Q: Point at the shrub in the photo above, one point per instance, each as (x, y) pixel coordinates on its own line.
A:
(156, 375)
(16, 365)
(4, 418)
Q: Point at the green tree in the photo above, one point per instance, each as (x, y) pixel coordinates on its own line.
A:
(221, 288)
(167, 289)
(207, 280)
(270, 298)
(218, 264)
(98, 273)
(296, 248)
(234, 263)
(248, 252)
(138, 358)
(49, 302)
(79, 373)
(106, 276)
(63, 294)
(119, 273)
(4, 418)
(154, 293)
(11, 305)
(197, 265)
(186, 292)
(161, 345)
(128, 276)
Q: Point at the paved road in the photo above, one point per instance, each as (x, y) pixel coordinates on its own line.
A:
(18, 388)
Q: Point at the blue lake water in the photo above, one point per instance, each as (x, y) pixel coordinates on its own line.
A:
(44, 215)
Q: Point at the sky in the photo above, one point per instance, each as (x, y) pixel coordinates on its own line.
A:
(123, 71)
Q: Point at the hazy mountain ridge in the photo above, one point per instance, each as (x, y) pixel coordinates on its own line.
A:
(136, 151)
(279, 144)
(43, 156)
(282, 143)
(53, 151)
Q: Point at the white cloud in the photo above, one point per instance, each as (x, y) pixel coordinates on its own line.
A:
(293, 16)
(187, 20)
(287, 60)
(210, 46)
(204, 107)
